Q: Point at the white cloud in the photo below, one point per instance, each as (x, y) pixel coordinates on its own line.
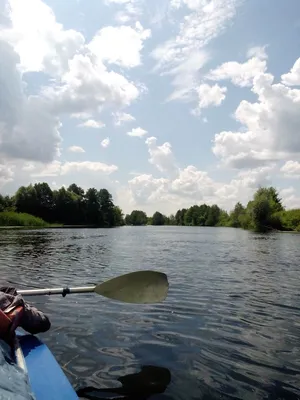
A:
(89, 166)
(88, 86)
(6, 174)
(81, 115)
(119, 1)
(130, 9)
(290, 199)
(262, 141)
(145, 188)
(41, 42)
(137, 132)
(241, 74)
(122, 117)
(185, 75)
(57, 168)
(82, 85)
(91, 123)
(293, 77)
(161, 156)
(121, 45)
(210, 96)
(291, 169)
(192, 186)
(258, 52)
(105, 142)
(76, 149)
(22, 119)
(184, 55)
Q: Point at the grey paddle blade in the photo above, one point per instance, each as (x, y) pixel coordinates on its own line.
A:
(139, 287)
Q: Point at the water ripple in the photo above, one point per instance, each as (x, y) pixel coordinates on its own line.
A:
(229, 328)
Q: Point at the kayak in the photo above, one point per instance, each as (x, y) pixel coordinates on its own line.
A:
(46, 378)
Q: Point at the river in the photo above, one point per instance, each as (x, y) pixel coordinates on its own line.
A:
(229, 328)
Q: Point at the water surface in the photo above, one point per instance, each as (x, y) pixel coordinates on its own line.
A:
(229, 329)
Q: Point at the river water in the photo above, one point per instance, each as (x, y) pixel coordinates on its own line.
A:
(229, 328)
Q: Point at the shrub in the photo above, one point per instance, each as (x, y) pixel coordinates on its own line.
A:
(10, 218)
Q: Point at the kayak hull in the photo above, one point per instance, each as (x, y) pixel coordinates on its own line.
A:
(46, 378)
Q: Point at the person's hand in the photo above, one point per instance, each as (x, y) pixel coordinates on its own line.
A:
(15, 316)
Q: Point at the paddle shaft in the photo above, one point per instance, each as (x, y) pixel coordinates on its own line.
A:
(62, 291)
(140, 287)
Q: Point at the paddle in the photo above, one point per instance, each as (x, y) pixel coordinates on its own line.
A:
(139, 287)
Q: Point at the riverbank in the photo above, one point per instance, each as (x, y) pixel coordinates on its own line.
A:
(52, 226)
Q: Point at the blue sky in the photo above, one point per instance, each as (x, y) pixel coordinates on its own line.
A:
(166, 103)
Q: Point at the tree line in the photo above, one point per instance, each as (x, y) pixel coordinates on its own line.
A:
(74, 206)
(263, 213)
(71, 206)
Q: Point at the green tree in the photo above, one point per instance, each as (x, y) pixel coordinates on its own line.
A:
(6, 203)
(76, 189)
(213, 216)
(66, 207)
(191, 216)
(106, 207)
(224, 219)
(118, 216)
(272, 196)
(235, 215)
(137, 218)
(158, 219)
(179, 216)
(260, 214)
(262, 209)
(26, 200)
(172, 220)
(93, 214)
(44, 201)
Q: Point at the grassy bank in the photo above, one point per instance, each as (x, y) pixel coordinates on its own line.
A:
(14, 219)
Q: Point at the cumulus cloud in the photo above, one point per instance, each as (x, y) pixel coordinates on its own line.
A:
(6, 174)
(161, 156)
(145, 188)
(120, 45)
(240, 74)
(122, 117)
(292, 78)
(57, 168)
(28, 129)
(192, 186)
(193, 183)
(290, 199)
(262, 140)
(131, 10)
(210, 96)
(258, 52)
(88, 86)
(137, 132)
(91, 123)
(291, 169)
(41, 42)
(76, 149)
(105, 142)
(31, 40)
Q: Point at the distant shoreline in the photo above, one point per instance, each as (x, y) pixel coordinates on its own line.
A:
(53, 226)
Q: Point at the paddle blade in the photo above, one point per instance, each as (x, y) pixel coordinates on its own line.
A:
(141, 287)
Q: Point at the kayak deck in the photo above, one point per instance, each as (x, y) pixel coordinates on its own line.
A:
(46, 378)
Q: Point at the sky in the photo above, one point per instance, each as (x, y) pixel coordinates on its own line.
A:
(165, 103)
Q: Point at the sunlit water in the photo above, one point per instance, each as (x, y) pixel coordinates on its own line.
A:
(230, 327)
